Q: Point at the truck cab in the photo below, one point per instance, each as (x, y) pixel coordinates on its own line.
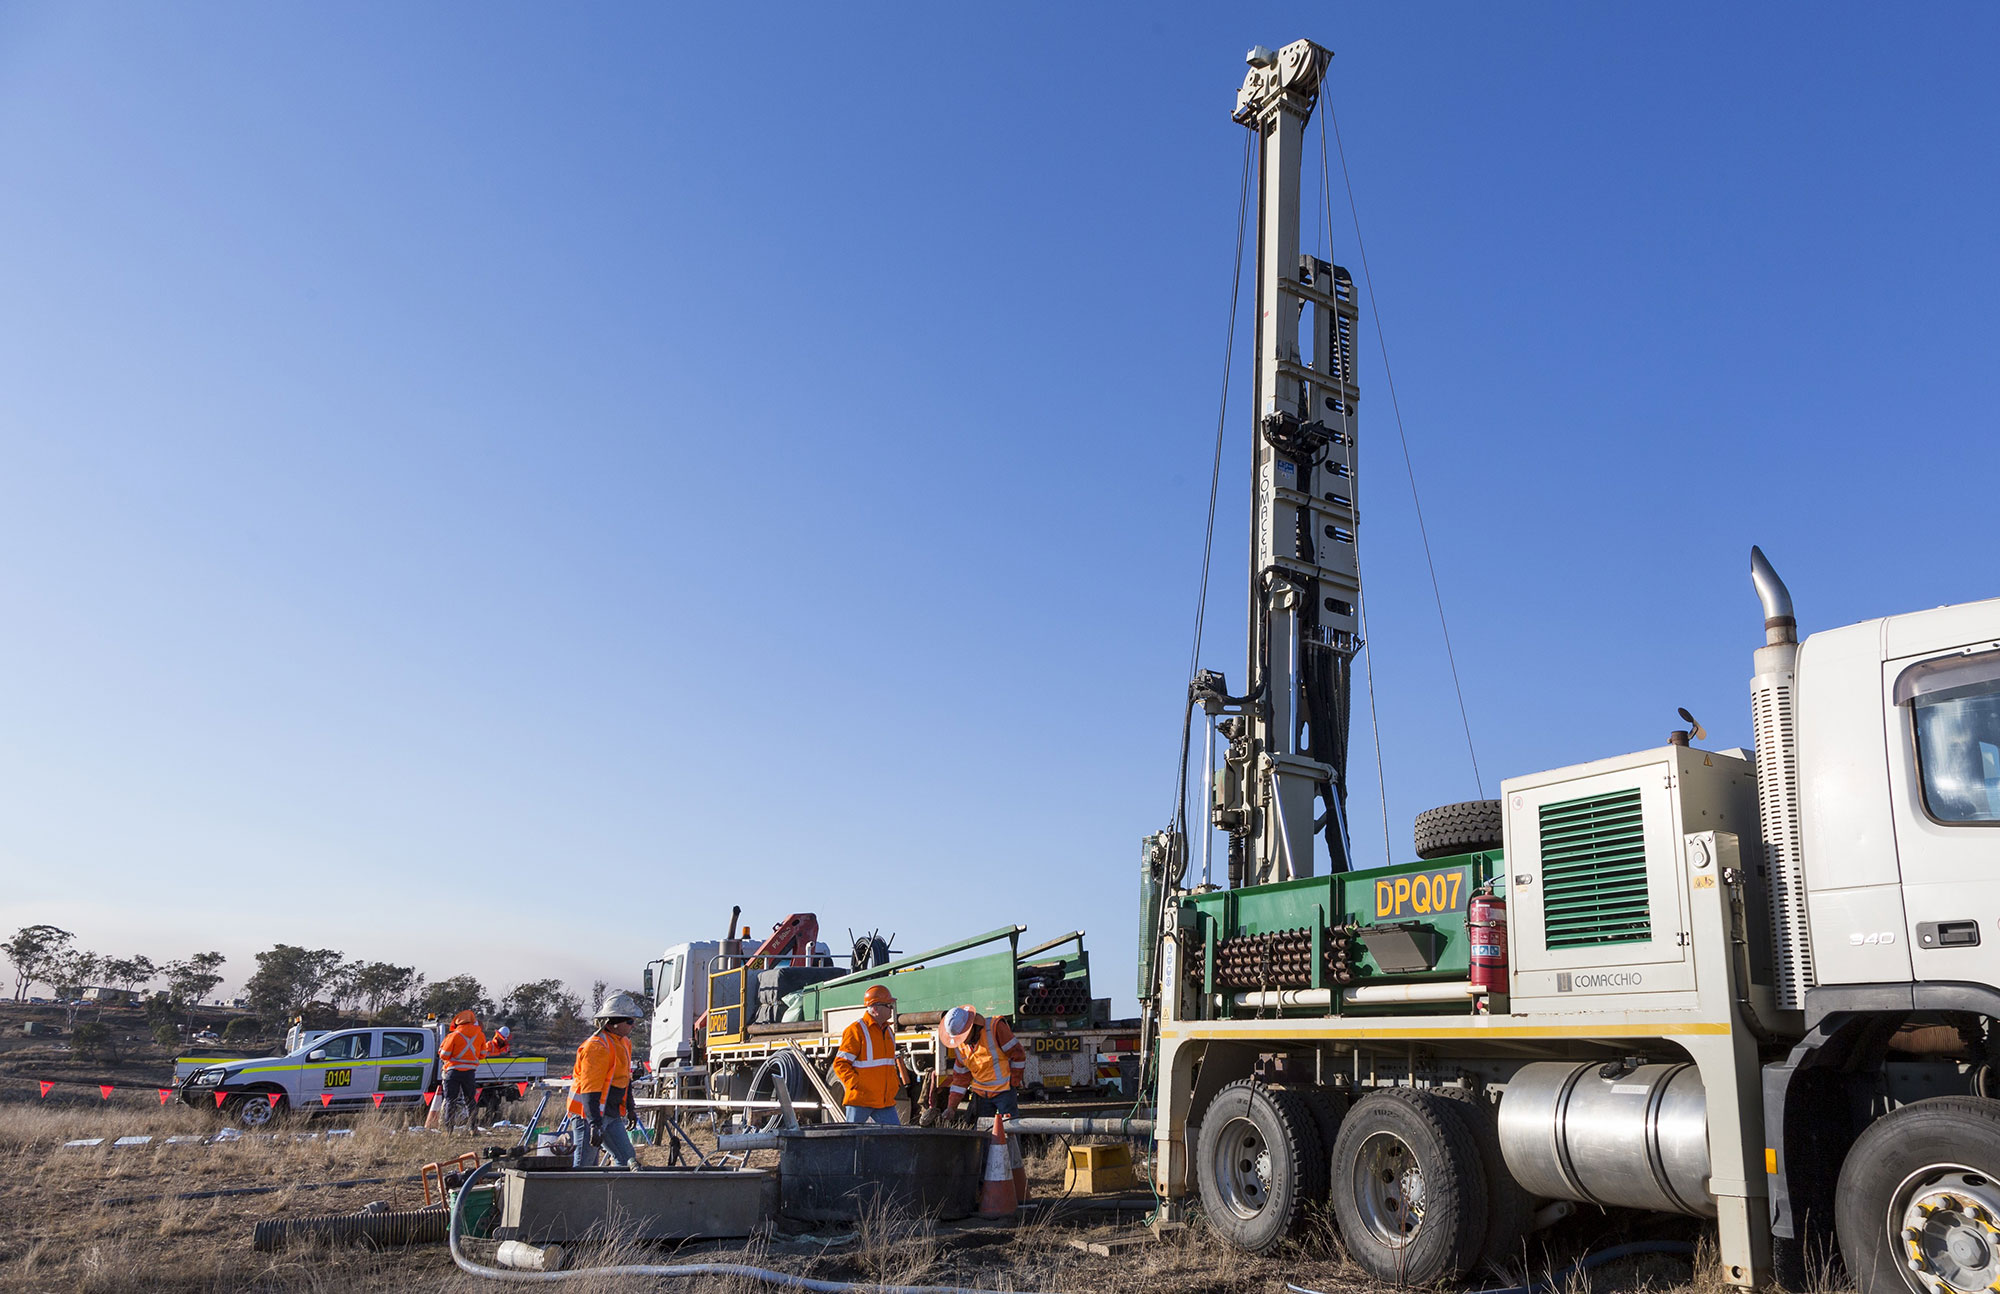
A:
(680, 993)
(1899, 763)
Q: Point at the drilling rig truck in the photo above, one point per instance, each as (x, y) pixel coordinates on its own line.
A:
(1747, 986)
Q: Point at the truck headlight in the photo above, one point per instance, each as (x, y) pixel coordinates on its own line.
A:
(209, 1077)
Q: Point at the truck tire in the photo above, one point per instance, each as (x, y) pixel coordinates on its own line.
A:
(1326, 1107)
(1458, 829)
(1510, 1210)
(1257, 1162)
(1408, 1193)
(1922, 1186)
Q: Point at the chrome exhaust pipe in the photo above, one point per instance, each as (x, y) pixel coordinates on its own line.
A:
(1779, 624)
(1774, 719)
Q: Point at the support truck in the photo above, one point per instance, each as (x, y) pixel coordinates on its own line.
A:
(1756, 987)
(733, 1017)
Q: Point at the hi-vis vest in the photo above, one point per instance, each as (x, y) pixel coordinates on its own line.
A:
(603, 1062)
(460, 1049)
(980, 1067)
(866, 1064)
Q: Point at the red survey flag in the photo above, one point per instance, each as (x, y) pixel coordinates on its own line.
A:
(218, 1100)
(275, 1098)
(378, 1100)
(46, 1085)
(325, 1099)
(104, 1090)
(165, 1092)
(524, 1088)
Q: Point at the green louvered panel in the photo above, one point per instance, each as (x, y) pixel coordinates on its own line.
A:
(1594, 872)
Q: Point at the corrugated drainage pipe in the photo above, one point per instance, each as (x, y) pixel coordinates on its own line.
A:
(785, 1280)
(405, 1227)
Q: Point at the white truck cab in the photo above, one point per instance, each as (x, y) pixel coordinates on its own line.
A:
(680, 995)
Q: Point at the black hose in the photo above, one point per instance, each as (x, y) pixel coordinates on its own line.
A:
(397, 1227)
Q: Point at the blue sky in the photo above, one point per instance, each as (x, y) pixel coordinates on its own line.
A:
(491, 487)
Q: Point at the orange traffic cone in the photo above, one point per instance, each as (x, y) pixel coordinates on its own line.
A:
(998, 1196)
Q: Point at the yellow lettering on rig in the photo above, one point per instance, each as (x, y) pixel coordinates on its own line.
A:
(1424, 894)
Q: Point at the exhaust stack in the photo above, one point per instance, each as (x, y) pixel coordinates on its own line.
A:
(1774, 716)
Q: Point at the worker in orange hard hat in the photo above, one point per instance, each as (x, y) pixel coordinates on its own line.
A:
(867, 1064)
(987, 1061)
(459, 1052)
(501, 1043)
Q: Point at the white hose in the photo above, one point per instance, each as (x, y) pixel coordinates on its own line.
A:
(785, 1279)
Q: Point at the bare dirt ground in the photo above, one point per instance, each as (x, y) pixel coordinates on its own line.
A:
(101, 1220)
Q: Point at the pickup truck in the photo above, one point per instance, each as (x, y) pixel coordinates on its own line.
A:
(339, 1072)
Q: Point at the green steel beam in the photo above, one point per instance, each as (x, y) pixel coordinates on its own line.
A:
(1039, 949)
(907, 963)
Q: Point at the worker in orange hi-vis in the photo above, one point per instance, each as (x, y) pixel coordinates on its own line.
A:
(501, 1043)
(459, 1053)
(987, 1061)
(600, 1091)
(867, 1064)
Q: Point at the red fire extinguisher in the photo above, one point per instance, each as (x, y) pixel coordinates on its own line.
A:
(1486, 927)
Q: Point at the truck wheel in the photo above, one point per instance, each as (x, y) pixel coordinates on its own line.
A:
(1326, 1108)
(1257, 1162)
(1919, 1199)
(1458, 829)
(252, 1111)
(1407, 1189)
(1510, 1210)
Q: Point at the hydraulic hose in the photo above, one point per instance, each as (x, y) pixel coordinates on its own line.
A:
(784, 1280)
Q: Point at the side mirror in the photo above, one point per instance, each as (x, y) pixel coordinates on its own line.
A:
(316, 1055)
(649, 981)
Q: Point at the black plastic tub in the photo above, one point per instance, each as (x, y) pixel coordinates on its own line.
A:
(838, 1172)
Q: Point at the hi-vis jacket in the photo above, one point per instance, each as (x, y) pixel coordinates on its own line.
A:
(603, 1062)
(462, 1047)
(979, 1065)
(866, 1064)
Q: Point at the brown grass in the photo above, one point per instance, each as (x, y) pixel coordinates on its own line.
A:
(66, 1236)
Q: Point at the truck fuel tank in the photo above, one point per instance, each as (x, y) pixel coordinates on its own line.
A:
(1613, 1134)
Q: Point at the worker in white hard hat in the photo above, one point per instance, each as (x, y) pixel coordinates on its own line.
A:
(501, 1043)
(600, 1093)
(987, 1062)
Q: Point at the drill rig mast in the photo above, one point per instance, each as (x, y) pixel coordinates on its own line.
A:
(1283, 780)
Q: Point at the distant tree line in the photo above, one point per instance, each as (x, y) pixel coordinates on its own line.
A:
(287, 980)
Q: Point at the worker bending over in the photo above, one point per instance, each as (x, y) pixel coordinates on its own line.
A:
(867, 1064)
(460, 1052)
(987, 1060)
(501, 1043)
(600, 1092)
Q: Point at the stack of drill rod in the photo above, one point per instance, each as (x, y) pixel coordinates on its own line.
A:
(1281, 959)
(1040, 996)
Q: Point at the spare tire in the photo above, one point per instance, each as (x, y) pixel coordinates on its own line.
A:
(1458, 829)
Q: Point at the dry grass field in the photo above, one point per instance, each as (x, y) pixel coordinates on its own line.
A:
(101, 1220)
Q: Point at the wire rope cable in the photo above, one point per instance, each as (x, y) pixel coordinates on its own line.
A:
(1214, 483)
(1395, 405)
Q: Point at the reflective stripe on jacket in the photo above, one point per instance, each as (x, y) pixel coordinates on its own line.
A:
(866, 1064)
(603, 1062)
(462, 1047)
(979, 1067)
